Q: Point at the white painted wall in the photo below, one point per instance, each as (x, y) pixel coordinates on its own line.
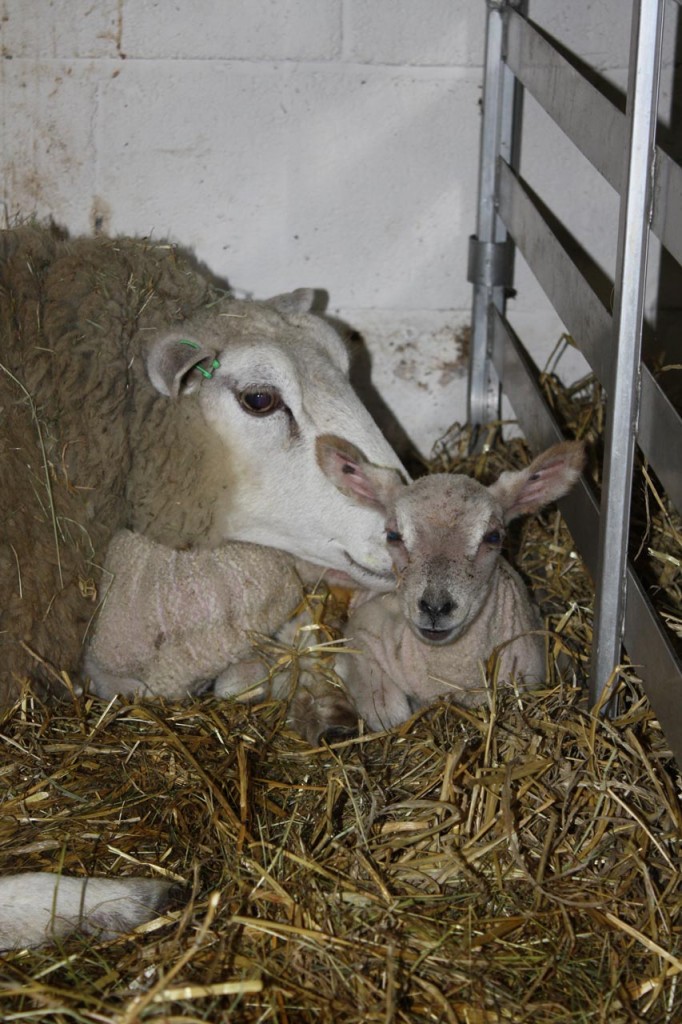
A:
(331, 143)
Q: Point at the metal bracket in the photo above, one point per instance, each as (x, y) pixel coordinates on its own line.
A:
(490, 263)
(500, 5)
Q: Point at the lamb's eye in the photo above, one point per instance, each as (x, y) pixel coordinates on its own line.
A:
(393, 537)
(260, 402)
(493, 537)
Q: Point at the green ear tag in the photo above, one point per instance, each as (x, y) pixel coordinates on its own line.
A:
(214, 365)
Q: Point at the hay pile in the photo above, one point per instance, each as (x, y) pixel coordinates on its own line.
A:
(516, 863)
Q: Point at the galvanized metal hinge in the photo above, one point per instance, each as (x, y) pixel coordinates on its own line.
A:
(490, 263)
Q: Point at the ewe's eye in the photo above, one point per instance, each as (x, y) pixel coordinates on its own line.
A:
(493, 537)
(393, 537)
(261, 402)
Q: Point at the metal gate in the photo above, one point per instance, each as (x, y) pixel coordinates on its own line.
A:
(622, 147)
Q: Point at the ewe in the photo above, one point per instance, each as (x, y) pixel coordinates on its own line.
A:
(134, 393)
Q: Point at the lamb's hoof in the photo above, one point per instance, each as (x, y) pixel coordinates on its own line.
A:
(336, 721)
(322, 711)
(338, 734)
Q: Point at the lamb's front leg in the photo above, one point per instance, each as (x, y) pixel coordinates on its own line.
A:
(380, 702)
(108, 684)
(246, 680)
(320, 709)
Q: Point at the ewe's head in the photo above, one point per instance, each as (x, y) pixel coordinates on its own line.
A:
(445, 532)
(270, 380)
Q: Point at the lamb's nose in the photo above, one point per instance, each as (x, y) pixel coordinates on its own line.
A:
(434, 607)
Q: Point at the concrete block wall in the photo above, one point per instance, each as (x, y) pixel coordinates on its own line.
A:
(330, 143)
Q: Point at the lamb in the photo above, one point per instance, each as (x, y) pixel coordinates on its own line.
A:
(174, 620)
(136, 393)
(458, 601)
(179, 622)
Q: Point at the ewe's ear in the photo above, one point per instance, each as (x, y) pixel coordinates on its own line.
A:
(299, 301)
(349, 470)
(171, 358)
(549, 476)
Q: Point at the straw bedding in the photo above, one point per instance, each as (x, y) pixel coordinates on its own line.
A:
(520, 862)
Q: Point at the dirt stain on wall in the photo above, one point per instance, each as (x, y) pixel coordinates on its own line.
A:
(100, 216)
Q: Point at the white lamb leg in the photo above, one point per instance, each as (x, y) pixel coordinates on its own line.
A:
(38, 907)
(380, 702)
(107, 684)
(321, 710)
(246, 681)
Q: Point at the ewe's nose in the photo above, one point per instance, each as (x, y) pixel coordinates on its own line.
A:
(436, 605)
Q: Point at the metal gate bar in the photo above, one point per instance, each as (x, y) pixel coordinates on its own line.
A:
(645, 642)
(622, 148)
(590, 324)
(592, 122)
(622, 385)
(490, 268)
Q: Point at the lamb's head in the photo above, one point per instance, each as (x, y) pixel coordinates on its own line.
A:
(445, 532)
(271, 379)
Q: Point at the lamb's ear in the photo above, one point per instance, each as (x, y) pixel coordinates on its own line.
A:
(349, 470)
(299, 301)
(549, 476)
(172, 357)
